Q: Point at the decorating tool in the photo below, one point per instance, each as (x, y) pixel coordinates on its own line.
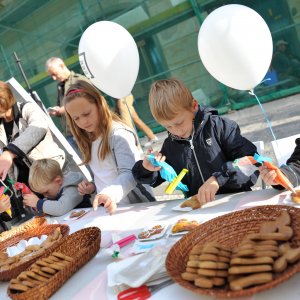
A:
(257, 161)
(143, 292)
(3, 189)
(124, 241)
(23, 187)
(280, 177)
(172, 186)
(169, 174)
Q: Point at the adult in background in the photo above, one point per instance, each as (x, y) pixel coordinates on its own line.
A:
(125, 109)
(59, 72)
(284, 62)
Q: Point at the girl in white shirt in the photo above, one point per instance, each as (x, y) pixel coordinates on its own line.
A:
(106, 144)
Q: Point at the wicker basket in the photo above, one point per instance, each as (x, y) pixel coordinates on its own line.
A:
(229, 230)
(81, 246)
(31, 224)
(38, 232)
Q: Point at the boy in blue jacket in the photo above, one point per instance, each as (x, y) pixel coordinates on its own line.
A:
(199, 140)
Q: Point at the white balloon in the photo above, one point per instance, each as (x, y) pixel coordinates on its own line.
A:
(108, 55)
(235, 46)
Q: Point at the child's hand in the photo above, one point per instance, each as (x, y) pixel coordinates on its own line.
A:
(56, 111)
(5, 204)
(6, 160)
(267, 175)
(147, 164)
(109, 204)
(30, 200)
(85, 187)
(208, 190)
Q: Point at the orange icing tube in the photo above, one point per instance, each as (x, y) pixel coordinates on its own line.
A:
(8, 210)
(280, 177)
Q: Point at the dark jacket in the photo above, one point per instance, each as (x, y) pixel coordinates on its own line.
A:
(292, 167)
(4, 222)
(217, 142)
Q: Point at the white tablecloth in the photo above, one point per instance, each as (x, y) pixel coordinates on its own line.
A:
(90, 282)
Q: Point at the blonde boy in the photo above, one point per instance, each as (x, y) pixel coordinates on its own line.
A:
(46, 178)
(199, 140)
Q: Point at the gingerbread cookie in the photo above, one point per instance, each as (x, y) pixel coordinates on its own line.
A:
(288, 255)
(40, 272)
(192, 202)
(76, 214)
(296, 196)
(206, 267)
(254, 279)
(184, 225)
(279, 229)
(205, 282)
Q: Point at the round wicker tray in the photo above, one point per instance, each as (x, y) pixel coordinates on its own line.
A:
(26, 235)
(33, 223)
(81, 246)
(230, 230)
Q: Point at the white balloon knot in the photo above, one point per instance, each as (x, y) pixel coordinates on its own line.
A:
(251, 92)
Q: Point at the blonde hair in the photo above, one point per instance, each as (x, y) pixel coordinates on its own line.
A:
(168, 97)
(7, 99)
(43, 172)
(83, 138)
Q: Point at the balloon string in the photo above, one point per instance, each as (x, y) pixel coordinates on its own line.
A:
(251, 92)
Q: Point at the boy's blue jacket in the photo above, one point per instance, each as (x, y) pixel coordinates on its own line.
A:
(217, 143)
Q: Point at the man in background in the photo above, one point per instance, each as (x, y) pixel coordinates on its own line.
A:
(59, 72)
(284, 62)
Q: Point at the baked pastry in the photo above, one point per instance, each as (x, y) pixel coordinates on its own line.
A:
(76, 214)
(192, 202)
(296, 196)
(184, 225)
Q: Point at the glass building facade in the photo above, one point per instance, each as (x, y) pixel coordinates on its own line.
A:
(166, 33)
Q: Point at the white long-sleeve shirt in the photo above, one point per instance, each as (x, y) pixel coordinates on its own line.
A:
(113, 176)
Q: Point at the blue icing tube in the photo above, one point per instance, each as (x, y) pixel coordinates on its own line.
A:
(261, 159)
(167, 172)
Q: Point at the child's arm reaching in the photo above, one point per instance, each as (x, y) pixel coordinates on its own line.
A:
(30, 200)
(86, 188)
(208, 190)
(107, 202)
(148, 165)
(267, 175)
(145, 173)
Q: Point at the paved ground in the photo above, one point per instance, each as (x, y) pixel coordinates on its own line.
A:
(284, 115)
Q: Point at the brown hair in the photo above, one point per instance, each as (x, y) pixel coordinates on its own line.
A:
(7, 99)
(168, 97)
(83, 138)
(43, 172)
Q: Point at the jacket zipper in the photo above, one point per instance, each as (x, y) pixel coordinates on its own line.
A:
(199, 169)
(193, 150)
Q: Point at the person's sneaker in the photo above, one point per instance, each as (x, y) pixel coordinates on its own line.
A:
(152, 141)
